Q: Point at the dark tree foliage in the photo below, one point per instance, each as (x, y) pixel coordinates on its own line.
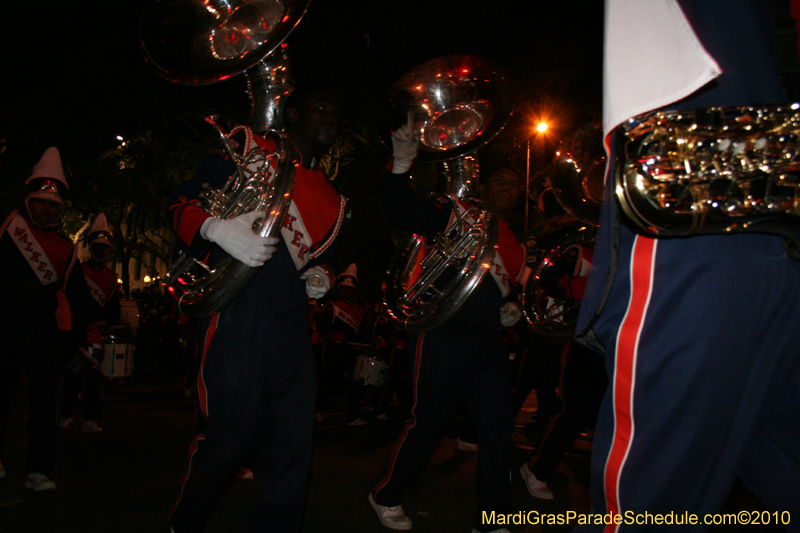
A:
(94, 85)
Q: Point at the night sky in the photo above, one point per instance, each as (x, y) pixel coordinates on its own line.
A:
(74, 76)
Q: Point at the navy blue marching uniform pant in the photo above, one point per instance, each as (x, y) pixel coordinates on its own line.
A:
(581, 382)
(701, 334)
(39, 353)
(258, 396)
(451, 366)
(701, 363)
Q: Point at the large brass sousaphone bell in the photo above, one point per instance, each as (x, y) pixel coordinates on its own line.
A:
(459, 103)
(569, 210)
(198, 42)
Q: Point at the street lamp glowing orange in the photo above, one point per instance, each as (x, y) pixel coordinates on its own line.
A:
(542, 127)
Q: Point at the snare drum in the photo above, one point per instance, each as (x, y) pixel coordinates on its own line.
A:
(370, 371)
(117, 358)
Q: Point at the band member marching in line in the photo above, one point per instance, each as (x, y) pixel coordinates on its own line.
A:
(581, 379)
(340, 323)
(256, 376)
(79, 372)
(39, 263)
(461, 360)
(700, 333)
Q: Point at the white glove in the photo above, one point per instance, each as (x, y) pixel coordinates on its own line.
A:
(93, 353)
(237, 238)
(318, 281)
(510, 314)
(405, 143)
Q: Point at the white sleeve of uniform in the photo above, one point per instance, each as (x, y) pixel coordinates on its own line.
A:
(652, 58)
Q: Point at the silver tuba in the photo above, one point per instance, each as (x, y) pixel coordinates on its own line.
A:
(568, 212)
(206, 41)
(459, 103)
(713, 170)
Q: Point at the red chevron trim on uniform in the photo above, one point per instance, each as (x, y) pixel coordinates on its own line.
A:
(623, 381)
(93, 334)
(188, 218)
(402, 439)
(202, 391)
(192, 451)
(334, 232)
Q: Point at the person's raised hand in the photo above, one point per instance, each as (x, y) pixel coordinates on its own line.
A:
(405, 143)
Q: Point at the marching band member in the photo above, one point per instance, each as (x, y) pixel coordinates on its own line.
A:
(38, 264)
(581, 380)
(462, 360)
(256, 376)
(102, 282)
(700, 333)
(340, 323)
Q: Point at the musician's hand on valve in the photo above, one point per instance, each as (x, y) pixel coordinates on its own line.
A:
(237, 238)
(318, 281)
(405, 143)
(510, 314)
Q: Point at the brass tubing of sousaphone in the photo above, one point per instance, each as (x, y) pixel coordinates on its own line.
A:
(459, 103)
(197, 42)
(575, 181)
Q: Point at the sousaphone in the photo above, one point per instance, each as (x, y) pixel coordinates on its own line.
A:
(196, 42)
(459, 103)
(567, 216)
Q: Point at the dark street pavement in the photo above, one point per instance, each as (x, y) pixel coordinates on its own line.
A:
(123, 480)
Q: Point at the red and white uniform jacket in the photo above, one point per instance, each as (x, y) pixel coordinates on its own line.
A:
(36, 265)
(481, 311)
(103, 287)
(311, 225)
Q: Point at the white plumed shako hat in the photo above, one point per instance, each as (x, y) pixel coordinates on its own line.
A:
(100, 232)
(47, 180)
(349, 276)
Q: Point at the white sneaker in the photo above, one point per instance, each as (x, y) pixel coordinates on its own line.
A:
(466, 446)
(64, 422)
(391, 517)
(90, 426)
(39, 482)
(2, 471)
(245, 474)
(538, 489)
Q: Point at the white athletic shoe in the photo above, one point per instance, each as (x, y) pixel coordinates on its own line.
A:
(39, 482)
(391, 517)
(466, 446)
(90, 426)
(538, 489)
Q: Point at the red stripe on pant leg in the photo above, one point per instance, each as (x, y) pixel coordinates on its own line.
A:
(641, 277)
(554, 418)
(202, 390)
(417, 356)
(192, 451)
